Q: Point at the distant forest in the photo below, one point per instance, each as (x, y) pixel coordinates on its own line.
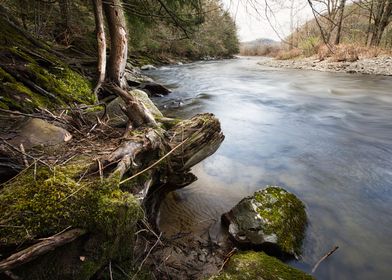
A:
(157, 28)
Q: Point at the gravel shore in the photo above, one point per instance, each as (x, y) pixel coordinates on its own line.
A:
(381, 65)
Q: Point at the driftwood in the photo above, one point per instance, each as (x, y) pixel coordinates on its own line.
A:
(39, 249)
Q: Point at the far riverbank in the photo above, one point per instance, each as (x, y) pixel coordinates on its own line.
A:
(381, 65)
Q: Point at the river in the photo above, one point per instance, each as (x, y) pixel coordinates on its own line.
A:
(326, 137)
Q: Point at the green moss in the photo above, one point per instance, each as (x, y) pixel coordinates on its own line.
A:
(37, 63)
(16, 95)
(65, 83)
(284, 214)
(252, 265)
(32, 206)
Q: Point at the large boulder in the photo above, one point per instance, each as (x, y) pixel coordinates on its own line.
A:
(259, 266)
(117, 116)
(272, 219)
(35, 132)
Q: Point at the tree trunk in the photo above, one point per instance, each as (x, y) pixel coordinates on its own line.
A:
(101, 40)
(341, 13)
(369, 29)
(119, 44)
(384, 21)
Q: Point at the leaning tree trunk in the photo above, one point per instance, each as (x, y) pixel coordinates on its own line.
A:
(101, 40)
(119, 44)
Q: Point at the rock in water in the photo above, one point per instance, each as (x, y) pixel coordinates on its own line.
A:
(252, 265)
(272, 218)
(154, 89)
(148, 67)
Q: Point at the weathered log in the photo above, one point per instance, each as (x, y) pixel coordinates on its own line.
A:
(205, 136)
(39, 249)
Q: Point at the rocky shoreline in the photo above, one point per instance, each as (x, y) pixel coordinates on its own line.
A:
(381, 65)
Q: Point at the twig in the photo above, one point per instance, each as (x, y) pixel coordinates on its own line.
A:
(324, 258)
(25, 154)
(100, 170)
(148, 254)
(110, 270)
(26, 163)
(155, 163)
(229, 255)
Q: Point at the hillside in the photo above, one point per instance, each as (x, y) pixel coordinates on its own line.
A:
(261, 46)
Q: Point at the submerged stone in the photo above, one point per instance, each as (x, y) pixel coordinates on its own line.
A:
(272, 218)
(258, 265)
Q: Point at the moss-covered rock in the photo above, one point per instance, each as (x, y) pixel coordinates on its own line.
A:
(259, 266)
(271, 217)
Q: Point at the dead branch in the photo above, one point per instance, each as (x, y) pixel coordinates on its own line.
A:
(39, 249)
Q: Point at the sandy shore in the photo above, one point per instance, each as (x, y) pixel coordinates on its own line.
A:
(381, 65)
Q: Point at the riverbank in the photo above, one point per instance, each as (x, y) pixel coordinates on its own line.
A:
(381, 65)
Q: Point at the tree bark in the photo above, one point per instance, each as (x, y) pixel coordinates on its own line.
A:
(383, 14)
(119, 44)
(341, 13)
(101, 40)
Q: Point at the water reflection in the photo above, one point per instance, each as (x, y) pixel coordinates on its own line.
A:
(326, 137)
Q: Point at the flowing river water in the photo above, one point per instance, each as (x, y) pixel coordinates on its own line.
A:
(326, 137)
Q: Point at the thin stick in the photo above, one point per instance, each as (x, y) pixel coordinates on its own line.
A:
(155, 163)
(100, 170)
(26, 163)
(25, 154)
(148, 254)
(110, 270)
(229, 255)
(324, 258)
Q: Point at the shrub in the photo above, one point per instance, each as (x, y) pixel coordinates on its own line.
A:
(285, 55)
(310, 46)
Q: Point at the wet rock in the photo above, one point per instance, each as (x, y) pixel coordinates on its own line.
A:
(273, 219)
(252, 265)
(148, 67)
(154, 89)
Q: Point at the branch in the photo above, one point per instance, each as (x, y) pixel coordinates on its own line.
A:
(39, 249)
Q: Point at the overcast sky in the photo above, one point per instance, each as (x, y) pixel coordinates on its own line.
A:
(254, 24)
